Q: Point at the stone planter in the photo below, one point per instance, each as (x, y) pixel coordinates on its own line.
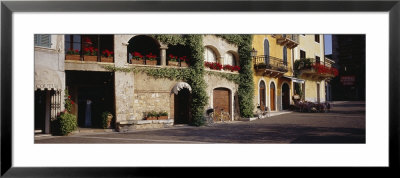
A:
(184, 64)
(153, 62)
(151, 118)
(140, 61)
(162, 118)
(90, 58)
(107, 59)
(73, 57)
(173, 63)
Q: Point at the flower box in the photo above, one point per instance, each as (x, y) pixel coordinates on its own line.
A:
(107, 59)
(173, 63)
(151, 118)
(73, 57)
(162, 118)
(153, 62)
(90, 58)
(184, 64)
(140, 61)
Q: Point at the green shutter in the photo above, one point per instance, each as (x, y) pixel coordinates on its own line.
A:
(43, 40)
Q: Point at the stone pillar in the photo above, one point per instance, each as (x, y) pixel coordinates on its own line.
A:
(163, 54)
(124, 81)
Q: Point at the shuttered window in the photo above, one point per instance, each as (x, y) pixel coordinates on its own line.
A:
(230, 59)
(209, 55)
(43, 40)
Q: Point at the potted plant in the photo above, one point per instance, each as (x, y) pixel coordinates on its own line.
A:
(151, 59)
(73, 55)
(152, 115)
(183, 61)
(137, 58)
(163, 115)
(107, 56)
(173, 60)
(107, 118)
(90, 54)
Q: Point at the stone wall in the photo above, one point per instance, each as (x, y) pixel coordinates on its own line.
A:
(153, 95)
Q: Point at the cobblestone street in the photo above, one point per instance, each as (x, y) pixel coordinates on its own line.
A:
(345, 123)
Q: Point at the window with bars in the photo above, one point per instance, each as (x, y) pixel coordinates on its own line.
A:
(42, 40)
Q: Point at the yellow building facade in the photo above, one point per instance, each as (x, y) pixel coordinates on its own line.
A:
(311, 46)
(272, 70)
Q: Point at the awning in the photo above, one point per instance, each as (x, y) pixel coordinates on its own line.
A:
(297, 80)
(179, 86)
(47, 79)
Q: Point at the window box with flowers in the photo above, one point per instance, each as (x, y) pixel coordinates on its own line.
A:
(173, 60)
(137, 58)
(107, 56)
(151, 59)
(231, 68)
(163, 115)
(90, 54)
(213, 65)
(184, 61)
(73, 55)
(152, 115)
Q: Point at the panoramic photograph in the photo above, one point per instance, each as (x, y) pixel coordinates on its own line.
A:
(199, 88)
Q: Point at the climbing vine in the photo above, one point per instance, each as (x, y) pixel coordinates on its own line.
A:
(246, 83)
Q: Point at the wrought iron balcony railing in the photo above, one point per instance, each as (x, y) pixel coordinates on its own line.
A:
(270, 63)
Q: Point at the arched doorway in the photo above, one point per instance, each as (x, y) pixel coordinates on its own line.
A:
(262, 94)
(272, 96)
(182, 107)
(285, 96)
(222, 100)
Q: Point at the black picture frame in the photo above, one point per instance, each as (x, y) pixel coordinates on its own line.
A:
(8, 7)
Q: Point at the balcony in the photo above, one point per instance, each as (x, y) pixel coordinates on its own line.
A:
(290, 41)
(310, 68)
(270, 66)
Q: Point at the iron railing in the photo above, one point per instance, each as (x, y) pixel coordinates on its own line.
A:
(270, 62)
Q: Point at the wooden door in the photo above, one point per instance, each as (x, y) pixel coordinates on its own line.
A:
(221, 100)
(272, 96)
(262, 94)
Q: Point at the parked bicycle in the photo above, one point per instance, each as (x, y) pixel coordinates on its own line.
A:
(262, 112)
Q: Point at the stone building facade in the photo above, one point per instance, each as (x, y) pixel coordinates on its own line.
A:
(81, 67)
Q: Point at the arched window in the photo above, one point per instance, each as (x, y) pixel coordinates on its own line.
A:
(230, 59)
(284, 55)
(266, 51)
(209, 55)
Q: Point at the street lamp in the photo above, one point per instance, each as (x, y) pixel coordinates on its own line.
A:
(253, 53)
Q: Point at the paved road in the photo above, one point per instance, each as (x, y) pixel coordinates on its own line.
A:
(345, 123)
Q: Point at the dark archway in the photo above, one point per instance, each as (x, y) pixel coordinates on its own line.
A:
(182, 107)
(144, 45)
(285, 96)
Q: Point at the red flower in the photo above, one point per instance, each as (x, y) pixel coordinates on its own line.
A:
(72, 102)
(69, 97)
